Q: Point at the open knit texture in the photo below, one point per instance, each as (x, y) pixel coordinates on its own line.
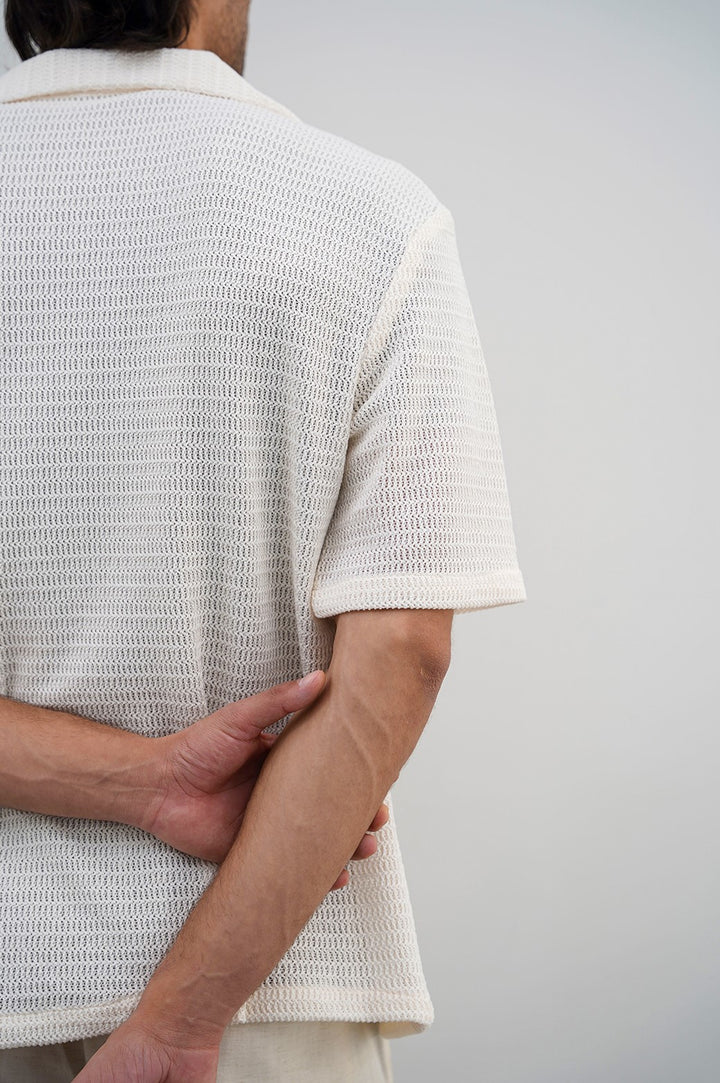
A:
(242, 391)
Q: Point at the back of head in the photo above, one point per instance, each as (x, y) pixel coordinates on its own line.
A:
(34, 26)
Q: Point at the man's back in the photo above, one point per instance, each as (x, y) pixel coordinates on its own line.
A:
(242, 392)
(210, 273)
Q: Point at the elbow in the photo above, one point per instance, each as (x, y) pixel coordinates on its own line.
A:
(432, 667)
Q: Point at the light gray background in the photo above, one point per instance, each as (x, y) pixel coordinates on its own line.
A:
(559, 817)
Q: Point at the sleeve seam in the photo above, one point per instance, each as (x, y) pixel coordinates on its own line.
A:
(398, 286)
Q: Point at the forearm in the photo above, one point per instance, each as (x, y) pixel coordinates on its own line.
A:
(343, 754)
(62, 764)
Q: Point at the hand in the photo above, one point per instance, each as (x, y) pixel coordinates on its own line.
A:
(136, 1053)
(208, 771)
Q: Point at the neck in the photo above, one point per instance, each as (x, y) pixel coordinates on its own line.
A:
(221, 27)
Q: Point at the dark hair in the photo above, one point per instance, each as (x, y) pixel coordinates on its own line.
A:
(133, 25)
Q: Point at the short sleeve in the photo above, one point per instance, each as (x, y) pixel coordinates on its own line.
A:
(422, 518)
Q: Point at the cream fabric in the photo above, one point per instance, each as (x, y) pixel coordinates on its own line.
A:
(249, 1053)
(242, 390)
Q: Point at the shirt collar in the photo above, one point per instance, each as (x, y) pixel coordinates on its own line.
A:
(58, 72)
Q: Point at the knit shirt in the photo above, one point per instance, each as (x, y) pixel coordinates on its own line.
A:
(242, 391)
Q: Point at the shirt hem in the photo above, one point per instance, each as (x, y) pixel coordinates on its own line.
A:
(399, 1014)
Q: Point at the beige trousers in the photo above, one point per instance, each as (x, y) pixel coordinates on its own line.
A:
(316, 1052)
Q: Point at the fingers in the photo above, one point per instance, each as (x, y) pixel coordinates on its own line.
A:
(247, 717)
(368, 843)
(381, 818)
(367, 847)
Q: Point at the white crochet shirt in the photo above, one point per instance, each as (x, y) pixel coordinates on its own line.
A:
(242, 390)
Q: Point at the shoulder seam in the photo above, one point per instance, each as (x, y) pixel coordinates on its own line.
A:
(396, 290)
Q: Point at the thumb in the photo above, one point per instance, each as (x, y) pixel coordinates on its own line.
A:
(254, 713)
(214, 747)
(245, 719)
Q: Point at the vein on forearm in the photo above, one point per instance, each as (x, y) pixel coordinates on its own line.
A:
(62, 764)
(320, 786)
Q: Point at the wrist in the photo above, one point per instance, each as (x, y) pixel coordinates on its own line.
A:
(177, 1032)
(136, 790)
(172, 1014)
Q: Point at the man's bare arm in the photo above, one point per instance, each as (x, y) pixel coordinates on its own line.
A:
(322, 781)
(62, 764)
